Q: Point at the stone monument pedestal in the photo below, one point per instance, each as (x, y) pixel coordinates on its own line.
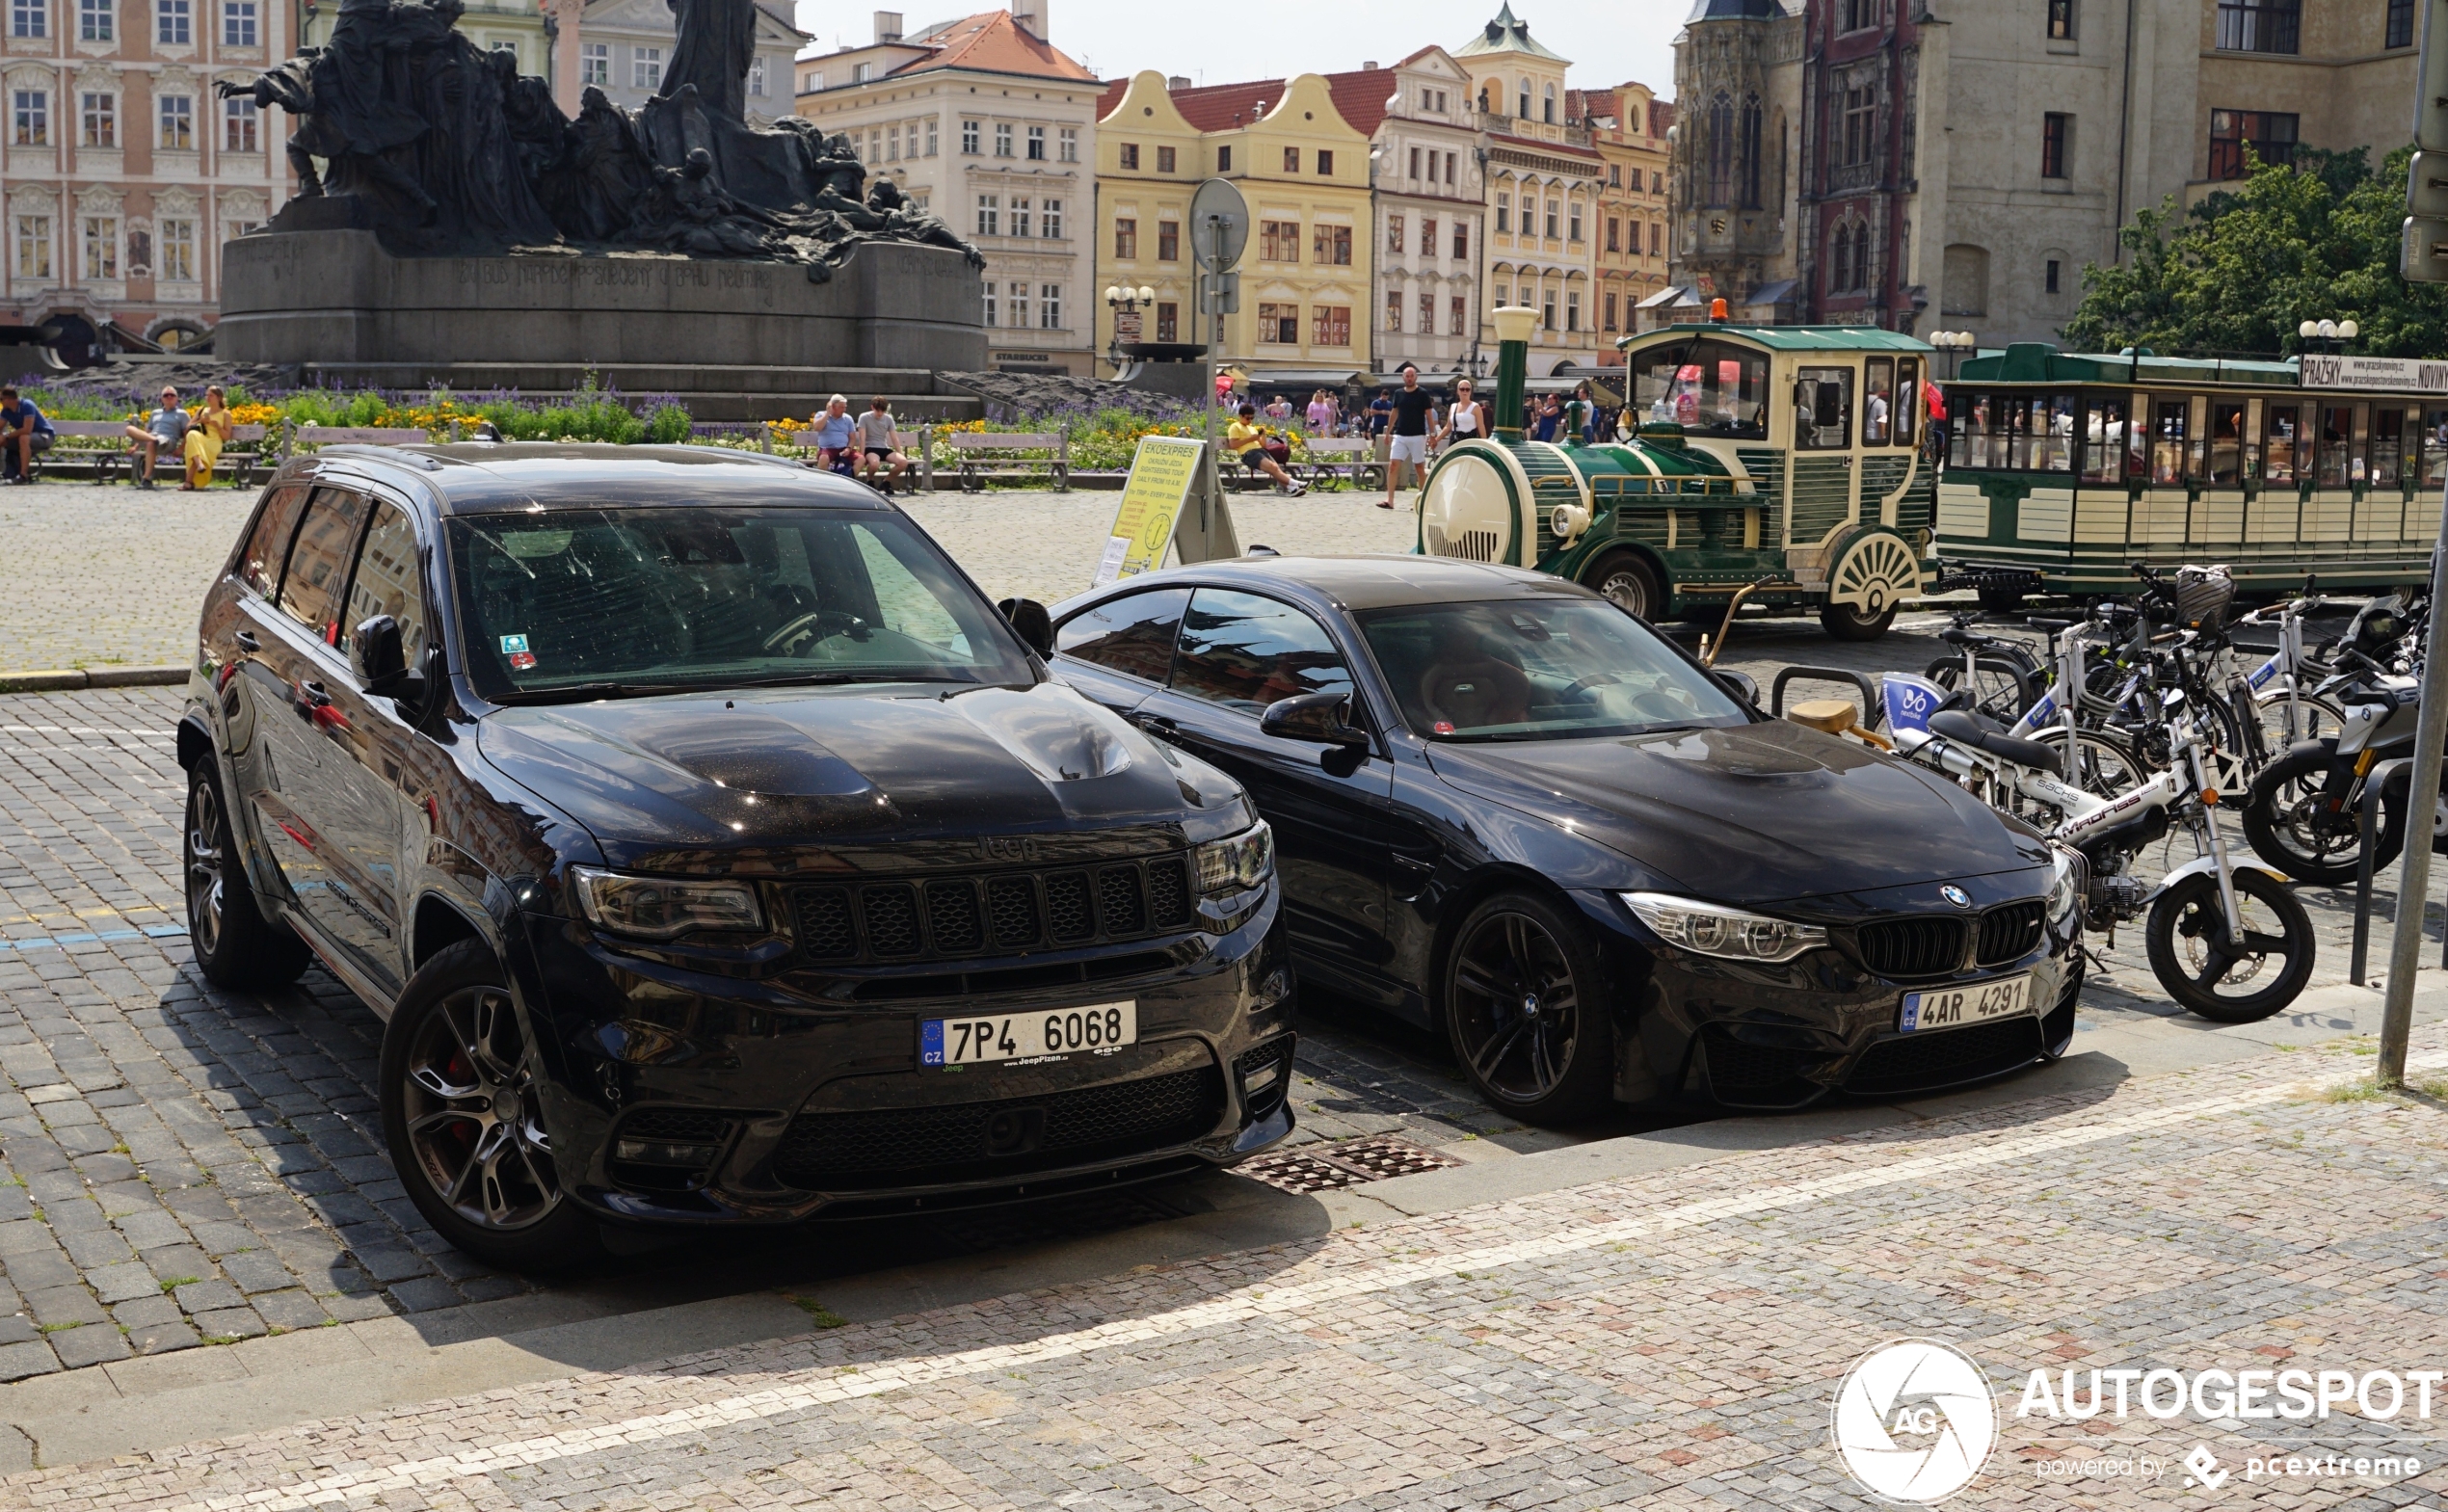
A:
(336, 297)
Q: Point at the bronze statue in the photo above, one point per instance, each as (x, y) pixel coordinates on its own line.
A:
(449, 149)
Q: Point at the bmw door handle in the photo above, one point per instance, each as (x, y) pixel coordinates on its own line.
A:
(247, 642)
(1156, 724)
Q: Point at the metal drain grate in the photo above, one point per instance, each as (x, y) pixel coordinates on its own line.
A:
(1321, 1168)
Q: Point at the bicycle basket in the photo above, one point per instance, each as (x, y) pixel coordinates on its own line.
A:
(2204, 596)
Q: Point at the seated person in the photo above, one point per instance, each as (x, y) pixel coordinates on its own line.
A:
(1246, 440)
(836, 437)
(877, 438)
(163, 431)
(24, 435)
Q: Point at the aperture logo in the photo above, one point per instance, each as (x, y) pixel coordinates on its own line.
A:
(1915, 1421)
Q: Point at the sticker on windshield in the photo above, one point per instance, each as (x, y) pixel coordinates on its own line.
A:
(521, 661)
(514, 645)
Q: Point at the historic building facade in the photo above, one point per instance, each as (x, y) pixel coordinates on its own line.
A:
(122, 174)
(1629, 126)
(1955, 166)
(1543, 178)
(1426, 198)
(622, 46)
(991, 126)
(1306, 277)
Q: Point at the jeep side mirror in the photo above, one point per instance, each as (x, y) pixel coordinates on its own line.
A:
(1318, 718)
(1034, 624)
(380, 660)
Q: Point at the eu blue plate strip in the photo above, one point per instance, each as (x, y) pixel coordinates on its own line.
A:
(55, 941)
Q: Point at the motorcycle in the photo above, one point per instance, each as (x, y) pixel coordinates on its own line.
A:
(2229, 943)
(2304, 810)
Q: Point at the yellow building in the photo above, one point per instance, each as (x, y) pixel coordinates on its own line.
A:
(1628, 126)
(1543, 179)
(1304, 170)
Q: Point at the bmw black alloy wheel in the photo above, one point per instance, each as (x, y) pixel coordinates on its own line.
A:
(473, 1123)
(206, 865)
(1522, 1009)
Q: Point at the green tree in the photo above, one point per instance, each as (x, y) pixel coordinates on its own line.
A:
(2236, 272)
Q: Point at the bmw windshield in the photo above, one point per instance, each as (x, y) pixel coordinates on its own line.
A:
(1538, 669)
(596, 602)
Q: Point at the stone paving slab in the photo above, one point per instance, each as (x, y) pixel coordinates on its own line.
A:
(1644, 1341)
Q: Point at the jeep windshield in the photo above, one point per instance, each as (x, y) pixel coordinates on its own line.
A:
(608, 602)
(1538, 669)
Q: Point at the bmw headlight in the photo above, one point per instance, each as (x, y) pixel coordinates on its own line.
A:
(664, 908)
(1711, 929)
(2065, 888)
(1237, 863)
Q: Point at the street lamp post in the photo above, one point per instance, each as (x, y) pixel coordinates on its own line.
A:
(2329, 332)
(1954, 344)
(1125, 303)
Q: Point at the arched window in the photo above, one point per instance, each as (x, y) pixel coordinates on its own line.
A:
(1719, 147)
(1751, 164)
(1840, 272)
(1524, 111)
(1861, 255)
(1551, 105)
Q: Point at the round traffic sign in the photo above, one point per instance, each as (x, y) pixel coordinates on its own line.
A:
(1219, 225)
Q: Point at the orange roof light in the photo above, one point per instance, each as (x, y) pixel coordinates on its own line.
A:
(1717, 311)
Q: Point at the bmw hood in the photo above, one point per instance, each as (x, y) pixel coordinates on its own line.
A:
(1750, 814)
(755, 781)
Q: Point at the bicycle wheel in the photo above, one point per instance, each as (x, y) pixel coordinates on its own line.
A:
(2312, 719)
(2002, 688)
(2104, 766)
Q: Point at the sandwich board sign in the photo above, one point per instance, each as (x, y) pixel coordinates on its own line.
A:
(1152, 500)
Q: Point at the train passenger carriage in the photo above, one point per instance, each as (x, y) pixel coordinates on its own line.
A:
(2063, 469)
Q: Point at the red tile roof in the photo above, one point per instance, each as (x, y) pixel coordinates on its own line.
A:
(1221, 107)
(992, 42)
(1359, 97)
(1362, 95)
(1526, 145)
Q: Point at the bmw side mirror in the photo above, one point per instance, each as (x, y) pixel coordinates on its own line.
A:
(380, 660)
(1034, 625)
(1739, 684)
(1315, 718)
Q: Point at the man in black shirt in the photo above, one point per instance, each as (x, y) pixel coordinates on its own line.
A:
(1411, 405)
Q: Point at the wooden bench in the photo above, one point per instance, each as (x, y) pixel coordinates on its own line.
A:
(355, 436)
(918, 445)
(103, 462)
(1329, 455)
(997, 454)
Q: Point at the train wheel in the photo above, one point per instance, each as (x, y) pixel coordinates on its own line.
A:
(1624, 577)
(1848, 623)
(1869, 584)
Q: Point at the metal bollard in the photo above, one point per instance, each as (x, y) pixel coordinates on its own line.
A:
(926, 458)
(2369, 822)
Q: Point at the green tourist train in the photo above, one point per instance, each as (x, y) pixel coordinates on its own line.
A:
(2065, 469)
(1786, 457)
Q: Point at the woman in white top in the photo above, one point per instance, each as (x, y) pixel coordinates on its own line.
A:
(1466, 419)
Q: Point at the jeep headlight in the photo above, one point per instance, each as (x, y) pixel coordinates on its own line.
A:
(1711, 929)
(2065, 888)
(1235, 863)
(664, 908)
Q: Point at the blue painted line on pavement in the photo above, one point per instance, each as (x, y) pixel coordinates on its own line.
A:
(55, 941)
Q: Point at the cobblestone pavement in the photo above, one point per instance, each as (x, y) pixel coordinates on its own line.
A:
(1648, 1341)
(109, 577)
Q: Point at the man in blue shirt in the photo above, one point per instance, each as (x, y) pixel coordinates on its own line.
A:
(24, 434)
(162, 431)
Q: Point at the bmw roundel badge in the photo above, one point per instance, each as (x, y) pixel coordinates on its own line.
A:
(1955, 895)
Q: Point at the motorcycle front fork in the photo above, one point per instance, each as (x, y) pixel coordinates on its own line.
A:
(2218, 843)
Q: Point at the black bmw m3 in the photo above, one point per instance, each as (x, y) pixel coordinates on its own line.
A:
(1508, 811)
(715, 850)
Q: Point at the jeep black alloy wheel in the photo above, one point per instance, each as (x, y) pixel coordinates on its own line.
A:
(1523, 1010)
(462, 1110)
(235, 944)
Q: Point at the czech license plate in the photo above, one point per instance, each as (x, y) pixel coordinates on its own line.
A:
(982, 1038)
(1977, 1003)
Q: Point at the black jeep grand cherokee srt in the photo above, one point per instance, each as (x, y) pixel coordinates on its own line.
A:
(714, 849)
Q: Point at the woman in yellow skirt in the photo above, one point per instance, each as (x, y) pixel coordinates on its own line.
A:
(209, 429)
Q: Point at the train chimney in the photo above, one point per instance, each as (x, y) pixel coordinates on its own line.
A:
(1514, 324)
